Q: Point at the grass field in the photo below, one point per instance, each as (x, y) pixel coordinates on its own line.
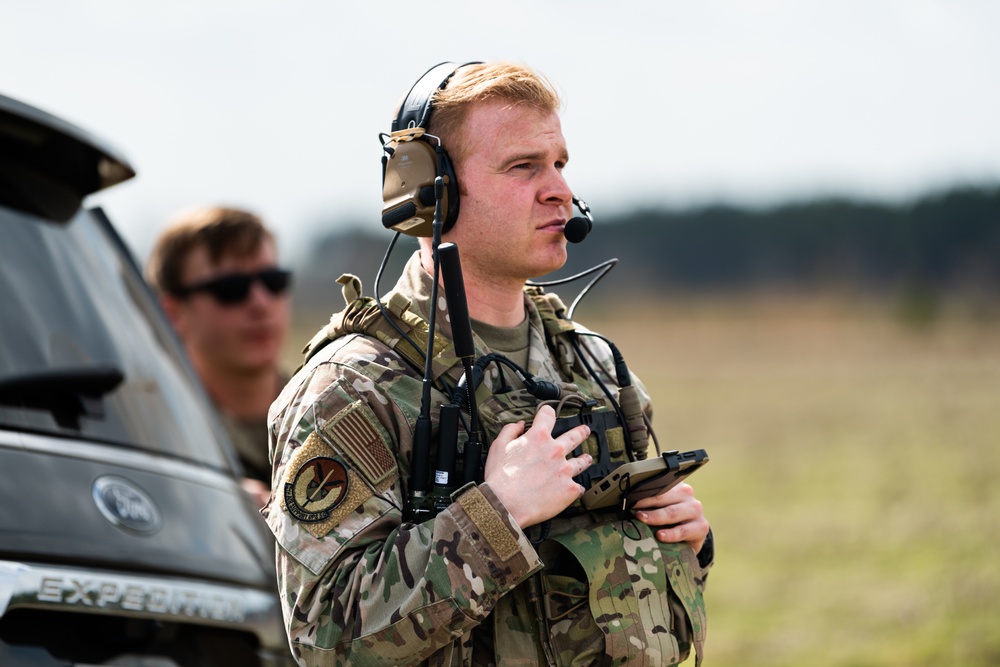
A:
(852, 487)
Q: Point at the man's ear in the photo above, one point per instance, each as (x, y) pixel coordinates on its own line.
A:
(173, 307)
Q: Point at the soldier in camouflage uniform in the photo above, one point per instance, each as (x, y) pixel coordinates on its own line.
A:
(512, 570)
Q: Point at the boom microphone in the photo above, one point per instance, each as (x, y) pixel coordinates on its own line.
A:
(576, 229)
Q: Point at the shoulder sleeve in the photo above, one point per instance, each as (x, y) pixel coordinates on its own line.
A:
(356, 582)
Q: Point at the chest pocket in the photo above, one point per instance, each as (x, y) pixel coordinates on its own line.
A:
(642, 597)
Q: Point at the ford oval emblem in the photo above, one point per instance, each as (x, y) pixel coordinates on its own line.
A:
(126, 505)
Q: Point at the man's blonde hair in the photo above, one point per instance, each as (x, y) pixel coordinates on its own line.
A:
(485, 82)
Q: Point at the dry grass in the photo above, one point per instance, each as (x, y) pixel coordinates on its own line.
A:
(852, 487)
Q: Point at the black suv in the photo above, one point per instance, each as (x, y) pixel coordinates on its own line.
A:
(125, 538)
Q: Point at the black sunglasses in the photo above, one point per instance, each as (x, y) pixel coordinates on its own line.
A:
(233, 288)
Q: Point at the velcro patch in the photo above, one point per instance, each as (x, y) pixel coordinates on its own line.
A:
(318, 489)
(497, 534)
(356, 433)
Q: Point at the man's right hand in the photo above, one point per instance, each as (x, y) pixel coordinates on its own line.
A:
(529, 471)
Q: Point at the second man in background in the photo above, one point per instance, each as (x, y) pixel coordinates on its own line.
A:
(216, 271)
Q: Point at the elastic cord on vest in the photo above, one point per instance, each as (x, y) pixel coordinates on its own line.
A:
(628, 399)
(543, 390)
(575, 342)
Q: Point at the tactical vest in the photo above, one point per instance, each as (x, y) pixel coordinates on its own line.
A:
(610, 593)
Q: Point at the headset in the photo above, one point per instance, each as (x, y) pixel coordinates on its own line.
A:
(413, 159)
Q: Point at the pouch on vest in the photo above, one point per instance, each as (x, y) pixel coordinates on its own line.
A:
(507, 407)
(644, 598)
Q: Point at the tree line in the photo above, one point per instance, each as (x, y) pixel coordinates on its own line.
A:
(942, 243)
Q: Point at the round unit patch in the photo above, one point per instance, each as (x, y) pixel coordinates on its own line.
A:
(319, 486)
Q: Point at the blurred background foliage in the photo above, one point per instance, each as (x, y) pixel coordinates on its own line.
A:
(919, 254)
(840, 361)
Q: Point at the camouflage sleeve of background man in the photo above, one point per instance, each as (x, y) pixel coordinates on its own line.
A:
(357, 584)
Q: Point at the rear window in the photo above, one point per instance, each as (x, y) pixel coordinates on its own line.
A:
(84, 352)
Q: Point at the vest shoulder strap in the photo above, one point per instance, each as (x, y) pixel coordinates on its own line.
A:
(552, 311)
(363, 315)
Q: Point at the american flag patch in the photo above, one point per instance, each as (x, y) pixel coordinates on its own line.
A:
(356, 433)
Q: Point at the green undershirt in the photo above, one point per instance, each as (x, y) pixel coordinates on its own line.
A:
(511, 342)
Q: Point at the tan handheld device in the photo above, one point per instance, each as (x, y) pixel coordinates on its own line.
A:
(641, 479)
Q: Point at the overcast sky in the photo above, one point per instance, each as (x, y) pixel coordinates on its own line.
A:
(276, 105)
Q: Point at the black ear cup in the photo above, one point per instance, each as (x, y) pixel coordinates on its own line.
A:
(408, 188)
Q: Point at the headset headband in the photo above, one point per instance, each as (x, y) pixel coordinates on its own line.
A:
(415, 111)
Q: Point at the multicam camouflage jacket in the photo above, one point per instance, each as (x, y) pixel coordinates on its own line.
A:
(359, 585)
